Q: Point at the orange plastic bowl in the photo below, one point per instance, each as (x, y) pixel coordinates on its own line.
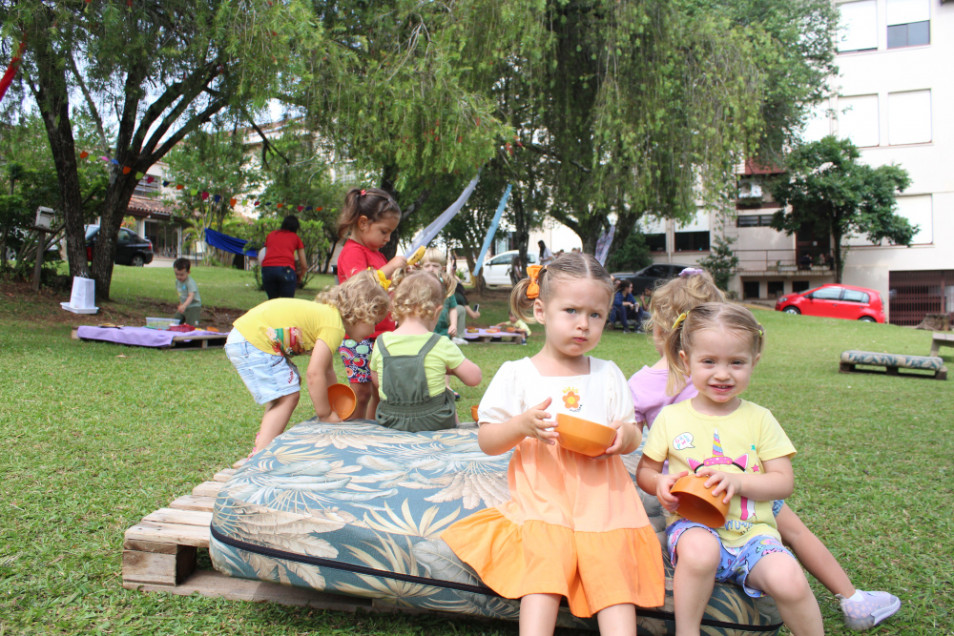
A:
(473, 412)
(583, 436)
(342, 400)
(696, 502)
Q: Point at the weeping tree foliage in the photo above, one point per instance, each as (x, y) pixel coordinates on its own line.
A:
(407, 92)
(828, 189)
(645, 106)
(148, 74)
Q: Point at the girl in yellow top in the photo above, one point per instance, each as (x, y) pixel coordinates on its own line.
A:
(574, 526)
(745, 457)
(263, 340)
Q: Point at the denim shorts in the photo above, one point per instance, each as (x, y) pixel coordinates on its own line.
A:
(267, 376)
(734, 563)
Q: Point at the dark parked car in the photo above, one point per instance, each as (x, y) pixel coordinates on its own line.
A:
(835, 301)
(650, 276)
(131, 249)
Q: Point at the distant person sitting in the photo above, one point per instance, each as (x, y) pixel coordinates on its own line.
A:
(464, 310)
(190, 303)
(516, 325)
(624, 306)
(805, 261)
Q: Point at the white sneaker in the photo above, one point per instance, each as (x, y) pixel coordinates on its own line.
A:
(868, 610)
(459, 341)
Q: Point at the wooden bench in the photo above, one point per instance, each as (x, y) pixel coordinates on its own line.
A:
(941, 339)
(892, 363)
(160, 555)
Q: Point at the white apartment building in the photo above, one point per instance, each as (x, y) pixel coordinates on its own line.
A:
(892, 98)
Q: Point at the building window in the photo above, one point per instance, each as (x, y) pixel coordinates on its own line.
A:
(776, 288)
(750, 289)
(692, 241)
(858, 120)
(918, 210)
(909, 117)
(656, 242)
(857, 26)
(909, 23)
(754, 220)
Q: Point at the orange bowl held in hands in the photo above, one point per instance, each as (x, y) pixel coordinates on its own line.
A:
(342, 400)
(583, 436)
(696, 502)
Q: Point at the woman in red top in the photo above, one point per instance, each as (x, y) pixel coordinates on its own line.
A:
(279, 276)
(370, 216)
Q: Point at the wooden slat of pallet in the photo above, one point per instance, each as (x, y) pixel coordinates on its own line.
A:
(159, 555)
(210, 583)
(192, 502)
(207, 489)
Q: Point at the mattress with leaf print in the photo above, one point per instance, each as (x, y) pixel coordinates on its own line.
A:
(357, 509)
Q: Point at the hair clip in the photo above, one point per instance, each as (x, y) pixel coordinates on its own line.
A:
(681, 319)
(533, 289)
(364, 192)
(382, 279)
(690, 271)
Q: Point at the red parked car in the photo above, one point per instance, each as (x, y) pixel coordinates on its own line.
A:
(835, 301)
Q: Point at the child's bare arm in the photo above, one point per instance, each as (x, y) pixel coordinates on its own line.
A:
(393, 265)
(650, 478)
(185, 303)
(628, 436)
(317, 377)
(468, 373)
(496, 438)
(776, 481)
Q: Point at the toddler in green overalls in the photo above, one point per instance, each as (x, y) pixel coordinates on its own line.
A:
(408, 364)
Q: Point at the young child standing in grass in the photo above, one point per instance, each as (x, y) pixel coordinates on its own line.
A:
(263, 340)
(369, 216)
(409, 365)
(190, 303)
(693, 287)
(574, 526)
(746, 459)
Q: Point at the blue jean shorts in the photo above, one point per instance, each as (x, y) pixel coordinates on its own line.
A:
(267, 376)
(734, 563)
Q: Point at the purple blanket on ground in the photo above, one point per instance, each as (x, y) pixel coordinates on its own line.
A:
(141, 336)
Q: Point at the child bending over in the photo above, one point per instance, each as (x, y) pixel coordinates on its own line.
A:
(263, 340)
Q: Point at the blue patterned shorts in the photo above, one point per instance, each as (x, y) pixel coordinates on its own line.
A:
(356, 357)
(734, 563)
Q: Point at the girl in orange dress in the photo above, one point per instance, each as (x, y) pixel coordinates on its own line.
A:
(574, 526)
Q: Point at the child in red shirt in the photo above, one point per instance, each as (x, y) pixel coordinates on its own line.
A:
(370, 216)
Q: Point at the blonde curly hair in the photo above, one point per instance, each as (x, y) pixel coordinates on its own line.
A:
(359, 299)
(418, 294)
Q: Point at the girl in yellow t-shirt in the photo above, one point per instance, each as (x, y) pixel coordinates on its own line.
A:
(263, 340)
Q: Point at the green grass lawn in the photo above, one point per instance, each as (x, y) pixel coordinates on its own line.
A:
(100, 435)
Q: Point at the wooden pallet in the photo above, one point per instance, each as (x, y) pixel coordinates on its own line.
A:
(160, 555)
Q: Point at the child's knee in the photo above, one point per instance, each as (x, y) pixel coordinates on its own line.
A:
(781, 577)
(698, 550)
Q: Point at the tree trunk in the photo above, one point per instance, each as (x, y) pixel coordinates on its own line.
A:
(51, 94)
